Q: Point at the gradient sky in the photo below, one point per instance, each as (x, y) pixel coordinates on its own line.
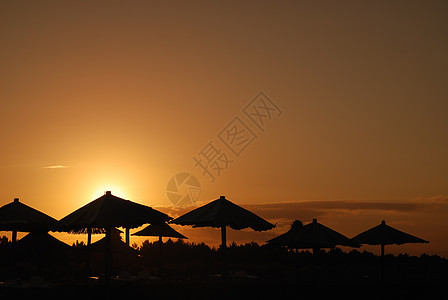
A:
(122, 95)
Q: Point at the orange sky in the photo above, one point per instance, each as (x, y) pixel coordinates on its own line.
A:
(122, 95)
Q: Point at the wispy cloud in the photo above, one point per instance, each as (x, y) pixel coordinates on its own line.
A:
(288, 211)
(56, 167)
(307, 210)
(435, 199)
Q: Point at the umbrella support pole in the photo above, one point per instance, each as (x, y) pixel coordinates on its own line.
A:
(89, 236)
(315, 262)
(223, 237)
(160, 244)
(382, 266)
(224, 254)
(108, 259)
(127, 230)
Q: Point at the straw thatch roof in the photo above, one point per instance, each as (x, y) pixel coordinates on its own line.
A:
(42, 240)
(311, 236)
(160, 230)
(222, 212)
(37, 246)
(16, 216)
(383, 234)
(109, 211)
(116, 244)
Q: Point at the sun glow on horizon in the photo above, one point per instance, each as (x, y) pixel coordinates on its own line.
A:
(114, 189)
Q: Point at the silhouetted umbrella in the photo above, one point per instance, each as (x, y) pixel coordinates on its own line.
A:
(38, 247)
(311, 236)
(16, 216)
(221, 213)
(107, 212)
(385, 235)
(160, 230)
(121, 255)
(116, 244)
(41, 240)
(43, 243)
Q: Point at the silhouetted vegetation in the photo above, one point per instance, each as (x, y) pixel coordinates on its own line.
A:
(3, 240)
(78, 244)
(184, 265)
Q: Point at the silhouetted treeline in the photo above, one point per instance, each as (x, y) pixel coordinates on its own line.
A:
(3, 240)
(186, 261)
(190, 259)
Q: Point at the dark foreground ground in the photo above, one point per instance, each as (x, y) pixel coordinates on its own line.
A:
(217, 289)
(189, 271)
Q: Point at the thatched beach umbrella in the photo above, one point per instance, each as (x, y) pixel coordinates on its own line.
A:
(108, 212)
(121, 255)
(40, 245)
(221, 213)
(19, 217)
(383, 235)
(160, 230)
(36, 249)
(311, 236)
(116, 244)
(43, 240)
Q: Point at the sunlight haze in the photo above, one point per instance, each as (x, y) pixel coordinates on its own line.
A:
(122, 95)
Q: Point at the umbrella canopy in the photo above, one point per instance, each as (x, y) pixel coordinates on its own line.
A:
(116, 244)
(116, 253)
(38, 247)
(160, 230)
(109, 211)
(311, 236)
(16, 216)
(386, 235)
(41, 240)
(221, 213)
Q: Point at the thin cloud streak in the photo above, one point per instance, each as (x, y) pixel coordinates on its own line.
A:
(313, 209)
(55, 167)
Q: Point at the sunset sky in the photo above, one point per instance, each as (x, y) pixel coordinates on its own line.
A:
(123, 95)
